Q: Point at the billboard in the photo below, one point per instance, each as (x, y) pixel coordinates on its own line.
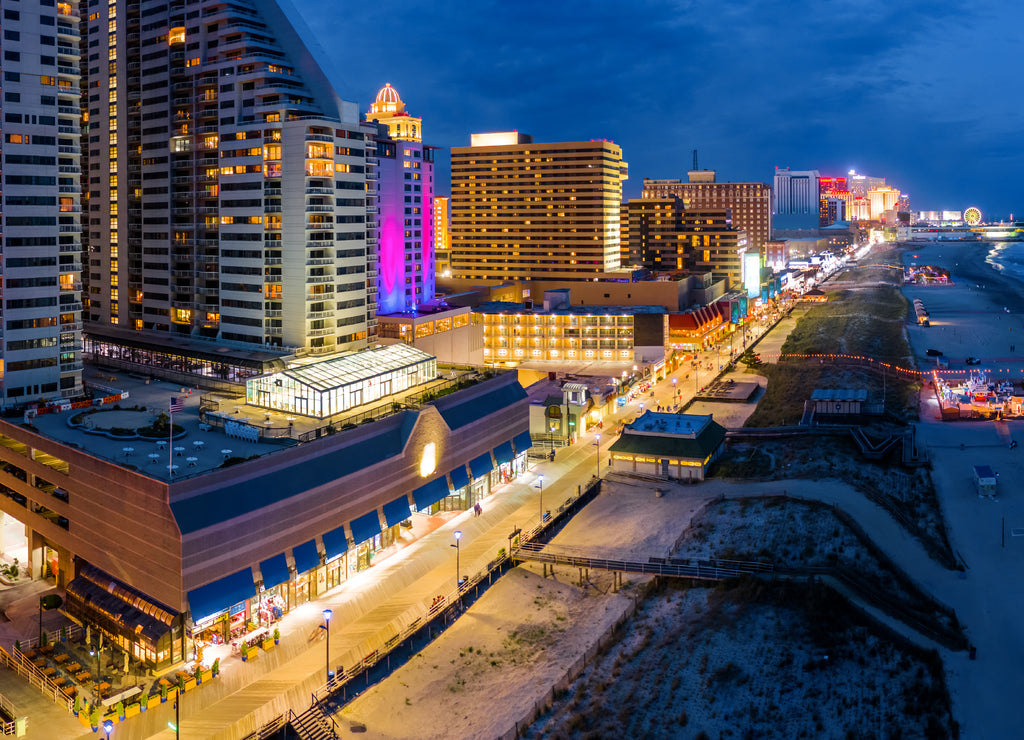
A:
(752, 273)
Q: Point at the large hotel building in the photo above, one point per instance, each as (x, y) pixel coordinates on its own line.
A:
(750, 202)
(522, 210)
(227, 181)
(40, 204)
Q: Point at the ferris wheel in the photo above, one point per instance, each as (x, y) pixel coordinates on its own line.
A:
(972, 216)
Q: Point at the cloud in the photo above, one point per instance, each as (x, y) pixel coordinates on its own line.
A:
(881, 85)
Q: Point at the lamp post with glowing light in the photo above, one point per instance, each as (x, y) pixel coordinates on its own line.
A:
(177, 719)
(458, 579)
(597, 444)
(326, 627)
(675, 393)
(108, 727)
(540, 485)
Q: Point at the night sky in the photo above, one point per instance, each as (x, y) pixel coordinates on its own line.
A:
(926, 94)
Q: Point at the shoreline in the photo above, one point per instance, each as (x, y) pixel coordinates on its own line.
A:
(968, 320)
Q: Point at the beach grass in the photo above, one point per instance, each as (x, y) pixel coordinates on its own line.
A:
(854, 323)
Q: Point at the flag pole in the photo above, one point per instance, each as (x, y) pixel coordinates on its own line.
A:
(170, 439)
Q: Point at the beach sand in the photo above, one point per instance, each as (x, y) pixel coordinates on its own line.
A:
(968, 319)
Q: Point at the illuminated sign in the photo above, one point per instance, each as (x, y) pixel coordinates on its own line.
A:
(428, 460)
(752, 273)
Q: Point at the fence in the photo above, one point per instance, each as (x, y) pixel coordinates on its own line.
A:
(414, 630)
(21, 665)
(18, 724)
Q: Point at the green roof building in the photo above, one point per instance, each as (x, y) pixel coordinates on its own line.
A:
(676, 446)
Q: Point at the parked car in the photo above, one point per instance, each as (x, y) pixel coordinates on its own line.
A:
(933, 353)
(973, 361)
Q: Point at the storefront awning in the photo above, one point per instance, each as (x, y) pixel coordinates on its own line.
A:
(365, 527)
(275, 571)
(522, 442)
(481, 466)
(429, 494)
(397, 511)
(335, 542)
(219, 596)
(460, 478)
(306, 556)
(503, 453)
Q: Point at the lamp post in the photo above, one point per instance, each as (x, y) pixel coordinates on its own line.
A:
(108, 727)
(597, 444)
(540, 484)
(458, 579)
(177, 720)
(675, 393)
(327, 628)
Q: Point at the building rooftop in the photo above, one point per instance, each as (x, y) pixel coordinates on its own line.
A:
(509, 307)
(219, 351)
(652, 422)
(204, 448)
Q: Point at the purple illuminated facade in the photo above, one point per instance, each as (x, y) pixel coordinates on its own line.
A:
(405, 205)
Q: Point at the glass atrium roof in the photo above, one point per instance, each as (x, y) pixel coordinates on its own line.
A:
(356, 367)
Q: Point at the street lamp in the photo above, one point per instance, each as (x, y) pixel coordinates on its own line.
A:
(597, 443)
(177, 720)
(675, 393)
(327, 628)
(458, 579)
(540, 484)
(108, 727)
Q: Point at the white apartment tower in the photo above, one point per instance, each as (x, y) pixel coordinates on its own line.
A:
(40, 203)
(227, 180)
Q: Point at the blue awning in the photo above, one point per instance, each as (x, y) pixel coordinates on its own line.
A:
(335, 542)
(274, 570)
(306, 556)
(217, 597)
(503, 453)
(365, 527)
(522, 442)
(397, 511)
(480, 466)
(460, 478)
(430, 493)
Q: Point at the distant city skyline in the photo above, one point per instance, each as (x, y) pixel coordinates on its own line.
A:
(920, 94)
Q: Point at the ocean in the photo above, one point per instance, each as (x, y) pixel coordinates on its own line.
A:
(1008, 258)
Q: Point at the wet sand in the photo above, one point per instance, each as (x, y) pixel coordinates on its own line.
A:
(980, 315)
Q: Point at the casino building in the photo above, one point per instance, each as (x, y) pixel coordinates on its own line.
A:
(156, 561)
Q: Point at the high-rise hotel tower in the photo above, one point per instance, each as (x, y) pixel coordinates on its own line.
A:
(226, 181)
(529, 211)
(40, 203)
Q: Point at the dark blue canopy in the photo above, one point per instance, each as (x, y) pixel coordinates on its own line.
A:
(335, 542)
(365, 527)
(503, 453)
(217, 597)
(274, 570)
(522, 442)
(430, 493)
(481, 466)
(460, 478)
(396, 511)
(306, 555)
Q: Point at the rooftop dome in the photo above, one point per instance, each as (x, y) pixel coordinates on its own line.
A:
(388, 94)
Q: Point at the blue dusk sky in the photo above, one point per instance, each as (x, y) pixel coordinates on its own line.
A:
(926, 94)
